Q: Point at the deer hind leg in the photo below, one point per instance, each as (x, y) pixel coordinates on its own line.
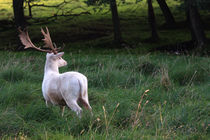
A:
(84, 100)
(75, 107)
(85, 103)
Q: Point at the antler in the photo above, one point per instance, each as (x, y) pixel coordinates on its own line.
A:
(26, 41)
(47, 40)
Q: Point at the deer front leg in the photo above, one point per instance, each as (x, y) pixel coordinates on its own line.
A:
(62, 110)
(47, 103)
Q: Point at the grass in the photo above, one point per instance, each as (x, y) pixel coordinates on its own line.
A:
(175, 107)
(178, 110)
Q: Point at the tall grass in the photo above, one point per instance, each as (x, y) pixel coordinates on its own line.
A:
(176, 107)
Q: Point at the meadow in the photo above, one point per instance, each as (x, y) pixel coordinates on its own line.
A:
(175, 107)
(134, 93)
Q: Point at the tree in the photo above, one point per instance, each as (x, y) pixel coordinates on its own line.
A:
(19, 19)
(116, 22)
(152, 21)
(166, 12)
(115, 17)
(195, 23)
(29, 7)
(19, 13)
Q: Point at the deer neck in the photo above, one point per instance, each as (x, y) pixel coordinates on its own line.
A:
(50, 68)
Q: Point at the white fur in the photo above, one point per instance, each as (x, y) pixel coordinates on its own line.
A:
(66, 88)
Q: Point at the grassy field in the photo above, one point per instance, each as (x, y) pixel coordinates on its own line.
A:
(134, 94)
(176, 106)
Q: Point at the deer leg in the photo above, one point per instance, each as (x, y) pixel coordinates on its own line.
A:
(62, 110)
(47, 103)
(75, 107)
(85, 104)
(84, 100)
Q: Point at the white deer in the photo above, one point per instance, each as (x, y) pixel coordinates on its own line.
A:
(64, 89)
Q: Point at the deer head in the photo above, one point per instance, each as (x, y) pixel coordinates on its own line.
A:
(56, 59)
(53, 58)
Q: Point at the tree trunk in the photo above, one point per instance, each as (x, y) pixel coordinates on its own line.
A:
(19, 19)
(116, 22)
(19, 13)
(166, 12)
(152, 21)
(195, 23)
(29, 8)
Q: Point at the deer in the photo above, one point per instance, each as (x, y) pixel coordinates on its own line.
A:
(62, 89)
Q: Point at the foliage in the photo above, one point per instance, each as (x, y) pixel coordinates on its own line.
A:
(201, 4)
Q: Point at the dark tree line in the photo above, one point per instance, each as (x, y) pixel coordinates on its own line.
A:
(191, 7)
(193, 19)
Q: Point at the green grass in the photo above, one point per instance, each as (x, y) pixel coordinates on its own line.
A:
(176, 106)
(179, 110)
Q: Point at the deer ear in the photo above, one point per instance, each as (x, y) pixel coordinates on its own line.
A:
(60, 54)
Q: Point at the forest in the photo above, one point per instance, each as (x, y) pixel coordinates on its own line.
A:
(146, 61)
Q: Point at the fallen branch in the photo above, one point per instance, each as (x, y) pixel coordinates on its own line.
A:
(68, 15)
(49, 6)
(48, 19)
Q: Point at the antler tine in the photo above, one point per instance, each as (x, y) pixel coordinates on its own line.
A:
(61, 48)
(47, 40)
(26, 41)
